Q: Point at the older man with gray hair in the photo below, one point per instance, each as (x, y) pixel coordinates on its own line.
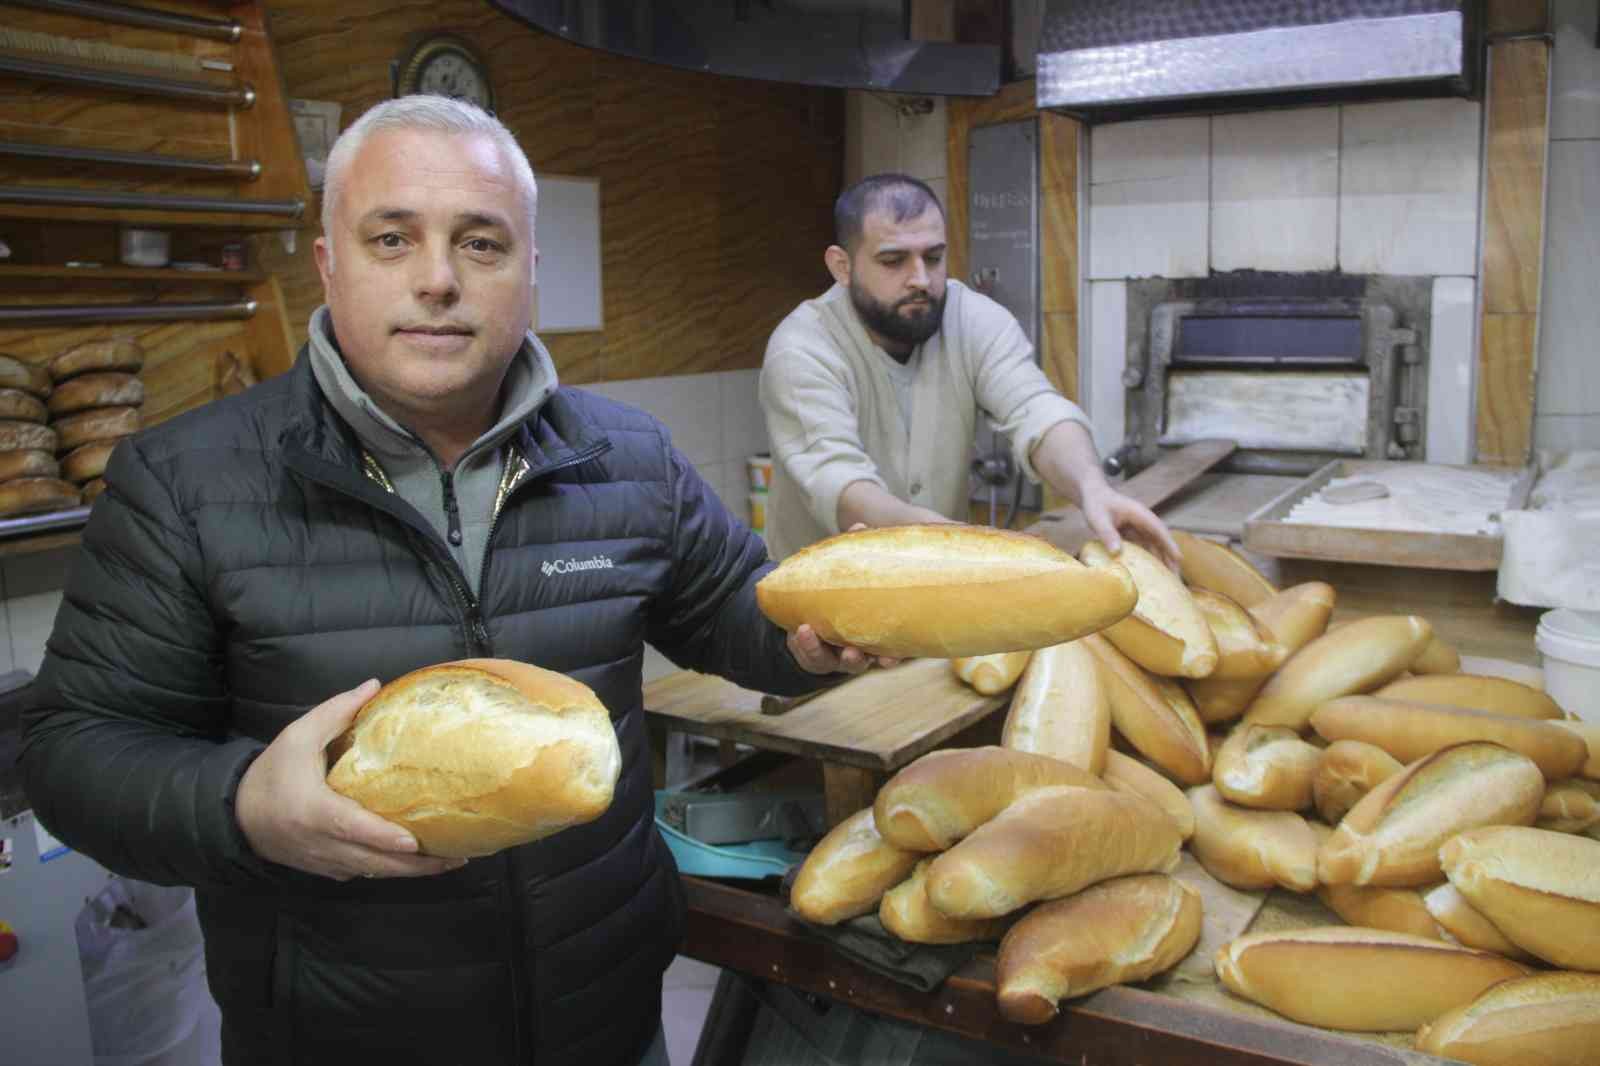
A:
(402, 497)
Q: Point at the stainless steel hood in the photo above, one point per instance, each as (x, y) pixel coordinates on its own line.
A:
(1162, 55)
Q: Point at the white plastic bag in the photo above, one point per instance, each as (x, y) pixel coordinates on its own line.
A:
(144, 977)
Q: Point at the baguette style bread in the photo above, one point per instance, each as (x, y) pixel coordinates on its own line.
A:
(35, 495)
(1295, 617)
(1549, 1019)
(1461, 922)
(941, 797)
(1060, 708)
(16, 373)
(1346, 771)
(1166, 633)
(1397, 910)
(1571, 806)
(1479, 692)
(990, 675)
(1127, 774)
(1354, 658)
(907, 914)
(1590, 733)
(85, 391)
(1048, 844)
(18, 436)
(1439, 657)
(943, 591)
(848, 872)
(1206, 564)
(88, 461)
(21, 406)
(1538, 888)
(1364, 980)
(478, 755)
(1267, 767)
(1154, 714)
(118, 354)
(1392, 836)
(100, 423)
(1252, 849)
(29, 462)
(1409, 730)
(1118, 931)
(1246, 649)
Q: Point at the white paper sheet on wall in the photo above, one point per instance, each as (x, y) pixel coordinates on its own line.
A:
(568, 291)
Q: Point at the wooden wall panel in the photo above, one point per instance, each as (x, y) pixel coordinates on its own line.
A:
(1058, 213)
(1516, 151)
(716, 193)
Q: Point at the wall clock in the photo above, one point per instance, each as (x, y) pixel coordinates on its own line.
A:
(446, 65)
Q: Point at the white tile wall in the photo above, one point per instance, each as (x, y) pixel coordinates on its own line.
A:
(1149, 198)
(1107, 357)
(31, 589)
(1451, 419)
(1408, 187)
(1569, 347)
(1275, 190)
(1575, 71)
(1566, 431)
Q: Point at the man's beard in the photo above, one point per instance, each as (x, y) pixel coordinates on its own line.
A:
(886, 320)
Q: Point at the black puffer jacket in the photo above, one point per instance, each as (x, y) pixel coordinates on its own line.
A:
(240, 570)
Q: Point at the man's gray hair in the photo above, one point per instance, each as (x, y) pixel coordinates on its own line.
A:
(438, 114)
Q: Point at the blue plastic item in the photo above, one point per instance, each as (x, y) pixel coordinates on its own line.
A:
(752, 861)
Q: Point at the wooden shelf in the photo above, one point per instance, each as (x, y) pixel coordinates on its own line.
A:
(13, 272)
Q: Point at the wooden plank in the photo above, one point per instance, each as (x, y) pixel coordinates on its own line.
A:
(848, 789)
(1514, 165)
(1058, 213)
(1120, 1026)
(1507, 360)
(878, 721)
(1220, 503)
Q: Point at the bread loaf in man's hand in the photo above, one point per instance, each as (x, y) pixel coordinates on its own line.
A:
(1125, 929)
(849, 870)
(1165, 633)
(941, 797)
(1548, 1019)
(1366, 980)
(478, 755)
(943, 591)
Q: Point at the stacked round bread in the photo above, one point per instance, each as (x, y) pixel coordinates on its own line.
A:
(1451, 819)
(94, 403)
(30, 476)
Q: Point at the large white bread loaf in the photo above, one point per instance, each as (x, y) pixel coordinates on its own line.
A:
(943, 591)
(848, 872)
(1048, 844)
(1353, 658)
(1205, 564)
(1166, 633)
(1409, 730)
(1480, 692)
(1153, 713)
(479, 755)
(941, 797)
(1246, 649)
(990, 675)
(1252, 849)
(1365, 980)
(906, 913)
(1295, 617)
(1122, 930)
(1267, 767)
(1060, 708)
(1346, 771)
(1541, 889)
(1548, 1019)
(1392, 836)
(1463, 923)
(1127, 774)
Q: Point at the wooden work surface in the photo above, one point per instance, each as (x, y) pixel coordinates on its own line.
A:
(878, 721)
(753, 934)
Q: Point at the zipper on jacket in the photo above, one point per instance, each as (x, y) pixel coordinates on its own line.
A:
(452, 509)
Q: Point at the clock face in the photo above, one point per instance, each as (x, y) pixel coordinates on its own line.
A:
(447, 68)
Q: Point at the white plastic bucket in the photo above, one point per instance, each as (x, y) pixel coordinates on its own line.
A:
(1569, 643)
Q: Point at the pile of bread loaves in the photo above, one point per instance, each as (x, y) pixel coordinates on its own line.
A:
(1443, 815)
(59, 423)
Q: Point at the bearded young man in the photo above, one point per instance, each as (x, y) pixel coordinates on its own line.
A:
(872, 391)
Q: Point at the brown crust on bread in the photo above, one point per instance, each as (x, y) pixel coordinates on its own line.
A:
(89, 391)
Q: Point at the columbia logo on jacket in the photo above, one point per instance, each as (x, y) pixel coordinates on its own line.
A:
(568, 566)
